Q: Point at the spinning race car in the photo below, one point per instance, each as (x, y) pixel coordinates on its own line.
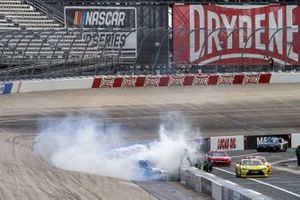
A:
(219, 158)
(251, 168)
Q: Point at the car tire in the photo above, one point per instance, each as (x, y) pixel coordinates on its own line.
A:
(269, 149)
(240, 174)
(236, 174)
(284, 149)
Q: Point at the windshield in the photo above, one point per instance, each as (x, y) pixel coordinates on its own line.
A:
(262, 159)
(252, 162)
(218, 153)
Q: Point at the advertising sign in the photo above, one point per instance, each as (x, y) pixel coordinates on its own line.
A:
(252, 141)
(236, 34)
(112, 28)
(227, 143)
(5, 88)
(295, 140)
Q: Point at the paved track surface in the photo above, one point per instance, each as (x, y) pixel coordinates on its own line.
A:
(279, 185)
(216, 110)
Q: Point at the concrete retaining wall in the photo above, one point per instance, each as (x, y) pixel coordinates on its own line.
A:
(216, 187)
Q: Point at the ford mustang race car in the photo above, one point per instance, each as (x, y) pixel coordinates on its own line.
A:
(272, 144)
(263, 160)
(251, 168)
(218, 158)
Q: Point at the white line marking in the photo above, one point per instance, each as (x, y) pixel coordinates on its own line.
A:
(232, 183)
(211, 174)
(254, 191)
(291, 159)
(261, 182)
(258, 154)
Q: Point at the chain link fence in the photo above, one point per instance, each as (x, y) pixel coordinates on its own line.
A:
(28, 54)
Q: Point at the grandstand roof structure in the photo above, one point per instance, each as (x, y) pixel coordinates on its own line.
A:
(171, 1)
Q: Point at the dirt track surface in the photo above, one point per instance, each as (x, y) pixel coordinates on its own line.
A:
(218, 110)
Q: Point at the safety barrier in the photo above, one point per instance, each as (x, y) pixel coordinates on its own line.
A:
(217, 187)
(180, 80)
(146, 81)
(295, 140)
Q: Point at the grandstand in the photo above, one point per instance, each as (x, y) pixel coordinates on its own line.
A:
(40, 39)
(16, 15)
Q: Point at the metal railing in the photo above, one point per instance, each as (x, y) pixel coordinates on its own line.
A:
(67, 52)
(50, 11)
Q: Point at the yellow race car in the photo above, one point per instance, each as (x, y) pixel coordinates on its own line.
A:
(251, 168)
(263, 160)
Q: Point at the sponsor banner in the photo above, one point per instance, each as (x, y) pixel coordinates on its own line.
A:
(127, 27)
(285, 78)
(295, 140)
(54, 84)
(110, 28)
(179, 80)
(103, 17)
(252, 141)
(227, 143)
(236, 34)
(5, 88)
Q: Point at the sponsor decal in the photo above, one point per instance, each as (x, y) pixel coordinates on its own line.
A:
(226, 79)
(251, 78)
(260, 140)
(236, 34)
(107, 82)
(152, 81)
(176, 80)
(102, 18)
(201, 79)
(128, 82)
(252, 141)
(227, 143)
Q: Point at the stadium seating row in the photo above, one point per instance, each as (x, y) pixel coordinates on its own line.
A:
(16, 14)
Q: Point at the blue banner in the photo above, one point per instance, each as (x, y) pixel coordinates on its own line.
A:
(5, 88)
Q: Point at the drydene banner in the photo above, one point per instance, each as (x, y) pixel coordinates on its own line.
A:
(112, 28)
(227, 143)
(236, 34)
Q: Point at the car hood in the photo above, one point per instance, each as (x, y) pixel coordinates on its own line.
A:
(259, 167)
(220, 158)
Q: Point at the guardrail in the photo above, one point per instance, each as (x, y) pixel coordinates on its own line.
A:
(179, 80)
(216, 187)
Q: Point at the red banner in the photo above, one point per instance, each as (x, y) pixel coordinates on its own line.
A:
(180, 80)
(236, 34)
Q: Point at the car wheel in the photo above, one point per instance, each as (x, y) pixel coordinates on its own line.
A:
(240, 174)
(236, 174)
(284, 149)
(269, 149)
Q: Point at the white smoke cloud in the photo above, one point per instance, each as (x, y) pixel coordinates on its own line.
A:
(87, 145)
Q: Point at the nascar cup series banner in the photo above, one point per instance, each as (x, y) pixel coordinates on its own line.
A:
(114, 24)
(236, 34)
